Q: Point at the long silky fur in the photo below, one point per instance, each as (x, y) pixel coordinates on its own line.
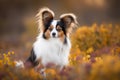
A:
(74, 24)
(39, 17)
(54, 49)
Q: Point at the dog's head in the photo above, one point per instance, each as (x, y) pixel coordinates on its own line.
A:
(55, 28)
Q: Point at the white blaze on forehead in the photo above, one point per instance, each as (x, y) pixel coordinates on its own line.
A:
(54, 23)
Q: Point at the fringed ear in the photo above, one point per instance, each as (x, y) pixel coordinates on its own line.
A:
(44, 17)
(69, 21)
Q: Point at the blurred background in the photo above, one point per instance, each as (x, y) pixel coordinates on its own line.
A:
(18, 27)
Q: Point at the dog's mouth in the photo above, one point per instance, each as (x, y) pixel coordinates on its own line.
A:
(54, 37)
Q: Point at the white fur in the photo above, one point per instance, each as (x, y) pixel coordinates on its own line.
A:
(19, 64)
(54, 23)
(52, 51)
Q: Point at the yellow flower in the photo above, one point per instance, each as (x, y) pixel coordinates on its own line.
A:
(9, 53)
(90, 50)
(12, 52)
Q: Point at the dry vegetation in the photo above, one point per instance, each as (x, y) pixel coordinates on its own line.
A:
(95, 55)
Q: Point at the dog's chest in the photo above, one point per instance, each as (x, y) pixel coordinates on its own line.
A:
(52, 51)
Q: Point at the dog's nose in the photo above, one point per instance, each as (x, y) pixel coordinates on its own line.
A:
(54, 34)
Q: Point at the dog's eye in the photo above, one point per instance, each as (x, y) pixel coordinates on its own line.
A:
(59, 30)
(50, 29)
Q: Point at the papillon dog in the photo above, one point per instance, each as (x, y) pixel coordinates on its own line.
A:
(52, 45)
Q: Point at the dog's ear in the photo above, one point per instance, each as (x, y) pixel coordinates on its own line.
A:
(69, 21)
(47, 17)
(44, 16)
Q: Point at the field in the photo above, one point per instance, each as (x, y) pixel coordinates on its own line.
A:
(95, 55)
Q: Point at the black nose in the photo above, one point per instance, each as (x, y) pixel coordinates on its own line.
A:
(53, 34)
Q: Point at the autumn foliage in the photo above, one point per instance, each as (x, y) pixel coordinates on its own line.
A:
(95, 55)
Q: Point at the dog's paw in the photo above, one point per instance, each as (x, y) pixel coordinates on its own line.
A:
(19, 64)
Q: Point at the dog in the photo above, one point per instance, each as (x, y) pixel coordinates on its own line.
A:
(52, 45)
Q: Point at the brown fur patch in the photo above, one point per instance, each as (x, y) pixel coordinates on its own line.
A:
(47, 34)
(61, 34)
(50, 28)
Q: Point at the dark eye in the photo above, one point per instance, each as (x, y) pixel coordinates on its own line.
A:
(50, 29)
(59, 30)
